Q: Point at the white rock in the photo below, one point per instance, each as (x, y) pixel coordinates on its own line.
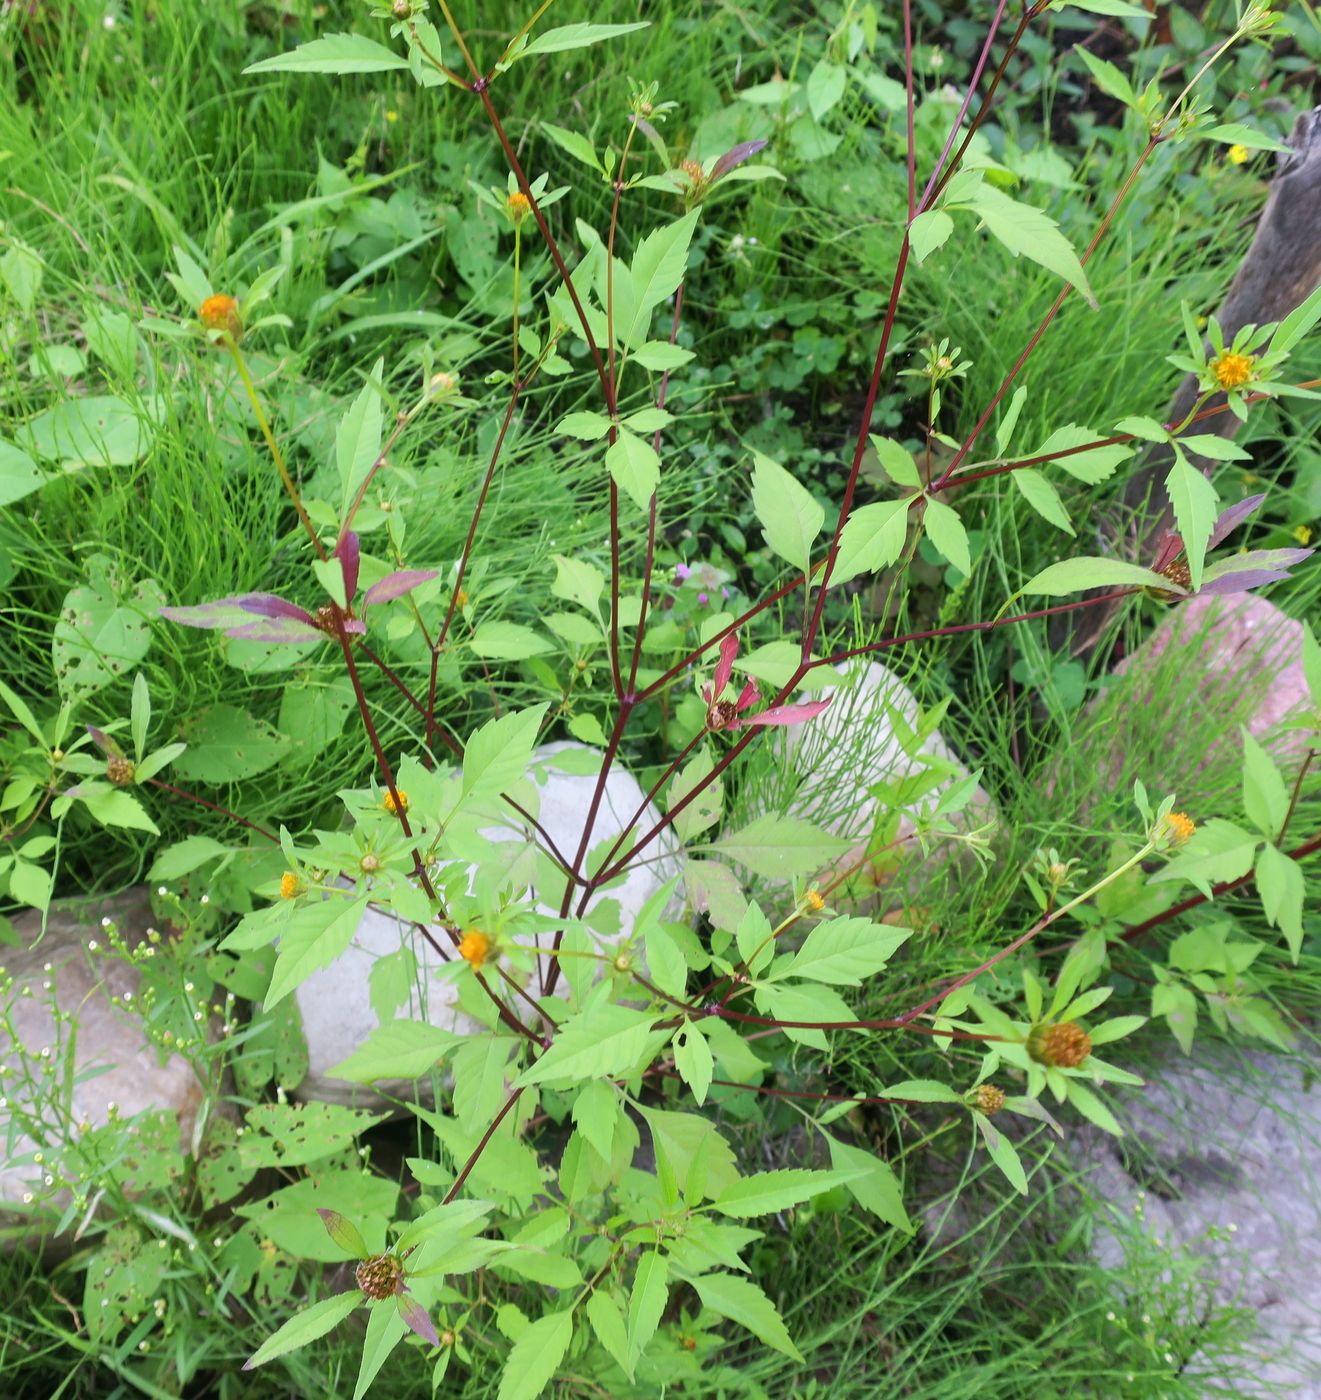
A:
(112, 1062)
(335, 1002)
(832, 761)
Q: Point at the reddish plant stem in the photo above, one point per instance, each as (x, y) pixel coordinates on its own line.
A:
(514, 1096)
(1296, 794)
(213, 807)
(541, 831)
(911, 106)
(1114, 440)
(383, 764)
(464, 557)
(1137, 930)
(651, 513)
(808, 1094)
(895, 1024)
(1032, 344)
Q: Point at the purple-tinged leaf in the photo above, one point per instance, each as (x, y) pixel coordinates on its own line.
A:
(788, 714)
(415, 1317)
(736, 155)
(279, 631)
(748, 696)
(221, 613)
(397, 584)
(725, 666)
(1171, 546)
(349, 556)
(1242, 581)
(102, 740)
(1230, 519)
(344, 1233)
(271, 605)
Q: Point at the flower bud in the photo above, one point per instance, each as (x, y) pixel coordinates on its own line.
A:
(221, 313)
(1065, 1046)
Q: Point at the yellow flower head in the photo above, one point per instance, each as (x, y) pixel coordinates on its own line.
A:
(519, 206)
(1231, 370)
(1237, 154)
(1303, 534)
(475, 948)
(290, 885)
(1179, 826)
(390, 805)
(814, 901)
(221, 313)
(391, 115)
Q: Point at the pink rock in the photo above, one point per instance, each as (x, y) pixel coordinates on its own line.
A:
(1238, 644)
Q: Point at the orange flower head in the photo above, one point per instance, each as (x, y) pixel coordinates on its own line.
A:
(290, 885)
(394, 808)
(814, 902)
(1232, 370)
(1179, 826)
(475, 948)
(221, 313)
(1065, 1046)
(519, 206)
(693, 170)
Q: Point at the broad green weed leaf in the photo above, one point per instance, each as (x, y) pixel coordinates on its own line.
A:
(781, 847)
(575, 36)
(692, 1058)
(605, 1040)
(743, 1302)
(1095, 465)
(768, 1192)
(536, 1356)
(845, 951)
(872, 539)
(385, 1330)
(397, 1050)
(19, 474)
(1040, 493)
(928, 232)
(647, 1301)
(1026, 230)
(320, 932)
(499, 752)
(1078, 575)
(635, 467)
(608, 1324)
(333, 53)
(875, 1187)
(304, 1327)
(946, 532)
(1265, 796)
(791, 518)
(825, 87)
(1280, 885)
(358, 438)
(577, 145)
(1194, 501)
(507, 641)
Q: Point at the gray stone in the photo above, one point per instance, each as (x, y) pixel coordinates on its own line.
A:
(335, 1002)
(61, 1075)
(832, 761)
(1222, 1160)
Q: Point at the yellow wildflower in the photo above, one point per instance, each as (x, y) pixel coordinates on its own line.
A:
(1179, 826)
(1237, 155)
(519, 206)
(1303, 534)
(290, 885)
(475, 948)
(391, 115)
(390, 805)
(814, 901)
(1231, 370)
(221, 313)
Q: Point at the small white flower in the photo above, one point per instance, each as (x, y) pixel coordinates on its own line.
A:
(105, 923)
(108, 21)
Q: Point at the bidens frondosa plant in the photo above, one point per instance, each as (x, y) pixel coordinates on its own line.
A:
(751, 964)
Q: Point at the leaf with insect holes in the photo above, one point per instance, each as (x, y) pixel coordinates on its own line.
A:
(333, 53)
(19, 474)
(790, 517)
